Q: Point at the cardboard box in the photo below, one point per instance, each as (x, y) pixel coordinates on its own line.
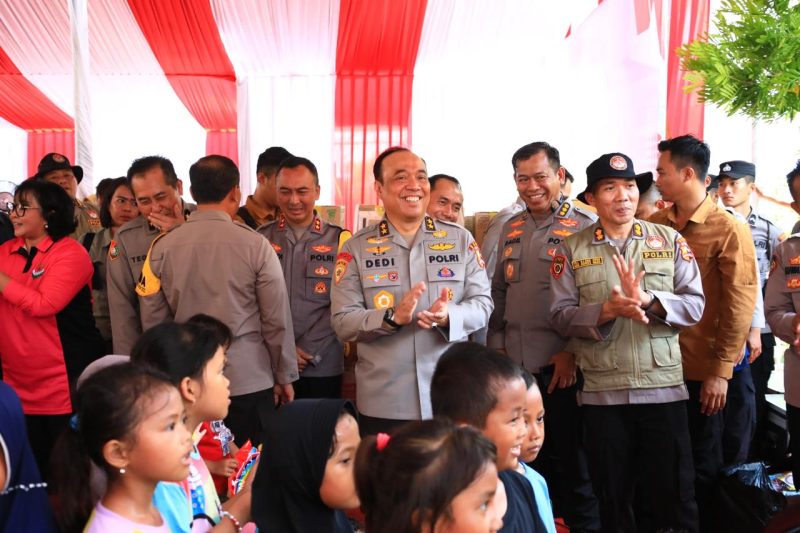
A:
(332, 214)
(367, 214)
(482, 219)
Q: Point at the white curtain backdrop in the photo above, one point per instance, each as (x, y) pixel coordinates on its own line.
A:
(478, 99)
(284, 54)
(135, 111)
(13, 147)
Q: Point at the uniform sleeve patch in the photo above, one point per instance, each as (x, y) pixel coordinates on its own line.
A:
(342, 260)
(557, 266)
(473, 247)
(685, 249)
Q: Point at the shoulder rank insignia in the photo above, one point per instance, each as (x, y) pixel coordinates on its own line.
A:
(317, 224)
(599, 235)
(429, 226)
(637, 230)
(383, 228)
(565, 207)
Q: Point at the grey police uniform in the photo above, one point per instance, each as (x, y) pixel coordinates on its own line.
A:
(521, 284)
(225, 269)
(308, 265)
(766, 237)
(372, 273)
(126, 256)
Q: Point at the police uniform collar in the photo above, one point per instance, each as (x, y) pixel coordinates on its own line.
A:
(209, 214)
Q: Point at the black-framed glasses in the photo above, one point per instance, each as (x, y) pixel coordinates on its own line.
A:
(18, 209)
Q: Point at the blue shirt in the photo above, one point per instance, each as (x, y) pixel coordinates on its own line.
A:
(542, 495)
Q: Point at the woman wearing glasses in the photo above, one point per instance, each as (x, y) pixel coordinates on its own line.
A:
(117, 206)
(47, 331)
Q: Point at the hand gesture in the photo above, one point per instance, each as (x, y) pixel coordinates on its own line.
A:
(404, 311)
(629, 280)
(619, 305)
(436, 315)
(167, 221)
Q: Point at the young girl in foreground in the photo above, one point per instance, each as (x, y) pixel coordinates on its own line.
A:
(129, 421)
(429, 477)
(306, 475)
(192, 355)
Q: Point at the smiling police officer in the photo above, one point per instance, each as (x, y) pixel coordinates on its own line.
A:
(307, 246)
(404, 289)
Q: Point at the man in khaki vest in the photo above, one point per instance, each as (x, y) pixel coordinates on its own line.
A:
(622, 289)
(57, 169)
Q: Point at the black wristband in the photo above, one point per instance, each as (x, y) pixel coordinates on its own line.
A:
(388, 316)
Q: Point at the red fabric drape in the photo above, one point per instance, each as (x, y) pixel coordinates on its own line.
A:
(375, 56)
(25, 106)
(689, 20)
(41, 142)
(185, 40)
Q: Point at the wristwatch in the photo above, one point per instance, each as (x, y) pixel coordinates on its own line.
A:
(652, 301)
(388, 318)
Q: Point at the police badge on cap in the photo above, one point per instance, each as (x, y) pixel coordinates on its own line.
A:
(54, 161)
(615, 165)
(737, 169)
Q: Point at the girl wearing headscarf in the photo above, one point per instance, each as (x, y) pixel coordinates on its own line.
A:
(305, 477)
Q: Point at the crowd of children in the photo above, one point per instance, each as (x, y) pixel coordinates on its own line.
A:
(129, 461)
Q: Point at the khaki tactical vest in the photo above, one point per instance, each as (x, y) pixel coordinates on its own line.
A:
(634, 355)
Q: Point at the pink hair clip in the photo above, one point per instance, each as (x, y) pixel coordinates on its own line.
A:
(382, 439)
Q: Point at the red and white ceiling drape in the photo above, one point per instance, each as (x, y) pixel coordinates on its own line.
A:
(464, 83)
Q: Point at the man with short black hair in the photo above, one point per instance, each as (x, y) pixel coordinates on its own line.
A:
(522, 276)
(725, 254)
(622, 289)
(307, 246)
(404, 290)
(447, 200)
(794, 190)
(157, 192)
(222, 268)
(746, 409)
(262, 206)
(57, 169)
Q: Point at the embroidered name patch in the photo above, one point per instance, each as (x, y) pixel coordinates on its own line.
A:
(661, 254)
(589, 261)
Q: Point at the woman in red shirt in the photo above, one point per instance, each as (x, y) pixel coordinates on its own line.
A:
(47, 333)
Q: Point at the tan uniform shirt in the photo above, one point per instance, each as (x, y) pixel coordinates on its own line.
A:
(525, 251)
(726, 256)
(88, 217)
(98, 253)
(308, 265)
(126, 255)
(224, 269)
(781, 304)
(261, 215)
(372, 273)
